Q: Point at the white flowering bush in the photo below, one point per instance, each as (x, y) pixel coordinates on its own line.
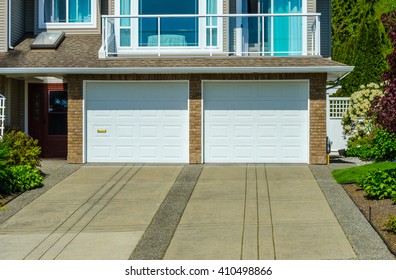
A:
(356, 121)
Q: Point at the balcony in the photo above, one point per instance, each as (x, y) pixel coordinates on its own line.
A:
(211, 35)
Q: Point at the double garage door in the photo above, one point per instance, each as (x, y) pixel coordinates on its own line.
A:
(262, 122)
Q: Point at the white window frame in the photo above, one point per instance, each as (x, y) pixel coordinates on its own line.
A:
(201, 35)
(67, 25)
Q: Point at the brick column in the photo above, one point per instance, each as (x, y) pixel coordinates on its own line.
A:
(75, 120)
(195, 119)
(318, 119)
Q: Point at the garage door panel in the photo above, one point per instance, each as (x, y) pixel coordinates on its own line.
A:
(242, 132)
(127, 105)
(125, 152)
(123, 90)
(266, 131)
(144, 122)
(256, 122)
(125, 131)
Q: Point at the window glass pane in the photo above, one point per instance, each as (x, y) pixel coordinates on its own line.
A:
(125, 40)
(79, 10)
(148, 32)
(125, 9)
(211, 9)
(58, 101)
(57, 115)
(54, 10)
(214, 37)
(174, 31)
(287, 30)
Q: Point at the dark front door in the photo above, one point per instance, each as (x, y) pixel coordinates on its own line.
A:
(47, 121)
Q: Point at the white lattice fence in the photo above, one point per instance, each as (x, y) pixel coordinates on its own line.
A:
(336, 106)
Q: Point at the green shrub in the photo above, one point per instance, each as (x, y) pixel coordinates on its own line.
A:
(391, 224)
(379, 184)
(360, 147)
(23, 149)
(384, 145)
(5, 187)
(24, 177)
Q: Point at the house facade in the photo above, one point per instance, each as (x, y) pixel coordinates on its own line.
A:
(194, 81)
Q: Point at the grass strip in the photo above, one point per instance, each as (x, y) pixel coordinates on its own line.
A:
(351, 175)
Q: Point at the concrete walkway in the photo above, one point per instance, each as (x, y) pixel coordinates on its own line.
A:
(179, 212)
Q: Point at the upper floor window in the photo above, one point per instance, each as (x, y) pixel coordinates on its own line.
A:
(67, 13)
(186, 25)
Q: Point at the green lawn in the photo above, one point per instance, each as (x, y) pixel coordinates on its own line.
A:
(350, 175)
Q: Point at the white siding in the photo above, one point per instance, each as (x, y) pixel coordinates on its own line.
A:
(3, 26)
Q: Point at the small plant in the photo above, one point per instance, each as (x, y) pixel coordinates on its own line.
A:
(360, 147)
(23, 149)
(24, 177)
(391, 224)
(379, 184)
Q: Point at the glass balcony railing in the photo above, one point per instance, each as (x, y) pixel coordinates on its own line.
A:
(211, 35)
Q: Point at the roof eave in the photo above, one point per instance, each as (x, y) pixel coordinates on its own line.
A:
(333, 72)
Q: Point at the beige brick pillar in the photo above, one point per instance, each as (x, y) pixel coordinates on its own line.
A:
(195, 119)
(75, 120)
(318, 119)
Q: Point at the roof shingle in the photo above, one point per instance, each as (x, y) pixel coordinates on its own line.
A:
(81, 51)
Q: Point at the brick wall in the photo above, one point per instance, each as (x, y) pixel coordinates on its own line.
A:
(317, 108)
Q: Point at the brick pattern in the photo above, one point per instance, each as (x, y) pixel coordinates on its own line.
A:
(75, 119)
(318, 119)
(195, 119)
(317, 108)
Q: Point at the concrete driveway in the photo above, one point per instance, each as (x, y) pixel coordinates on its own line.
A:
(179, 212)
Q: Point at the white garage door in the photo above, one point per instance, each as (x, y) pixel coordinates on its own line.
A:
(137, 122)
(256, 122)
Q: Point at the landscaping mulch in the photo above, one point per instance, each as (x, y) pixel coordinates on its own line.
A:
(377, 212)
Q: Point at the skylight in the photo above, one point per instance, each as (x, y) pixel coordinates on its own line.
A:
(48, 40)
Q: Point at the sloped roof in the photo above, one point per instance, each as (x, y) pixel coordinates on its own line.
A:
(79, 54)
